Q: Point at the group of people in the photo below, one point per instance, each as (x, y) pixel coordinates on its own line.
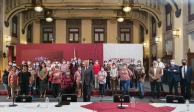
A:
(177, 76)
(71, 76)
(81, 76)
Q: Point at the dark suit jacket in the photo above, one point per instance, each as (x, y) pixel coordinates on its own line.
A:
(87, 77)
(188, 75)
(174, 73)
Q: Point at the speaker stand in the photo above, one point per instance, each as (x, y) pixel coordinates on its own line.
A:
(121, 105)
(13, 104)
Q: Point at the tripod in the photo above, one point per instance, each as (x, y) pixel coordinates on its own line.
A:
(13, 104)
(121, 100)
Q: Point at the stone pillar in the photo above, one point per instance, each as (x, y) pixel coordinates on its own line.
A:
(36, 32)
(23, 38)
(86, 31)
(112, 31)
(135, 32)
(179, 42)
(60, 31)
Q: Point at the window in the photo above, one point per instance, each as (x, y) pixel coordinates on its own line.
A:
(141, 34)
(153, 27)
(29, 33)
(15, 26)
(191, 10)
(73, 31)
(99, 35)
(73, 35)
(99, 30)
(48, 31)
(124, 32)
(48, 35)
(168, 17)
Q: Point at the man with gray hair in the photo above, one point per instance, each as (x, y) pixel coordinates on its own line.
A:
(155, 74)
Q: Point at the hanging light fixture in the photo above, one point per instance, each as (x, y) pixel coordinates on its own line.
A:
(127, 8)
(38, 8)
(37, 5)
(48, 15)
(127, 5)
(120, 16)
(120, 19)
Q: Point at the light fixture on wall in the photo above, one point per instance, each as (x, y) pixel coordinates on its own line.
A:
(157, 40)
(144, 44)
(48, 15)
(37, 5)
(176, 33)
(120, 19)
(127, 5)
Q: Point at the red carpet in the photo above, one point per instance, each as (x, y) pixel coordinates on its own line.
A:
(112, 107)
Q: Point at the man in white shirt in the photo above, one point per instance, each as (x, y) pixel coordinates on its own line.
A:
(162, 66)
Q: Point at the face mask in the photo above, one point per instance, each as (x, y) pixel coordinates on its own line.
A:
(172, 63)
(184, 63)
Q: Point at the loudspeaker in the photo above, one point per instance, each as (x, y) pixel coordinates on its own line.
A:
(175, 99)
(22, 98)
(118, 98)
(69, 97)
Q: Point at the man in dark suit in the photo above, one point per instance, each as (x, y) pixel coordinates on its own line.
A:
(174, 77)
(186, 78)
(87, 81)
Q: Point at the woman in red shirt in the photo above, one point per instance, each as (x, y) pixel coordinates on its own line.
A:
(13, 81)
(96, 68)
(67, 83)
(56, 78)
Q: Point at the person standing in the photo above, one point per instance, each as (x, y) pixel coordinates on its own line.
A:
(174, 77)
(140, 75)
(13, 81)
(107, 68)
(162, 66)
(67, 83)
(77, 79)
(186, 78)
(102, 81)
(5, 80)
(114, 78)
(155, 74)
(24, 80)
(56, 78)
(125, 76)
(87, 80)
(96, 69)
(43, 80)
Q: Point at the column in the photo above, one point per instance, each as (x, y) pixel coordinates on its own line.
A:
(135, 32)
(86, 31)
(36, 32)
(112, 31)
(60, 31)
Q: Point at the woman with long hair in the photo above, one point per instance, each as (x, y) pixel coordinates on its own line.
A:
(43, 80)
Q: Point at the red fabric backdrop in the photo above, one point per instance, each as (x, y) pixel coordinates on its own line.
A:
(59, 51)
